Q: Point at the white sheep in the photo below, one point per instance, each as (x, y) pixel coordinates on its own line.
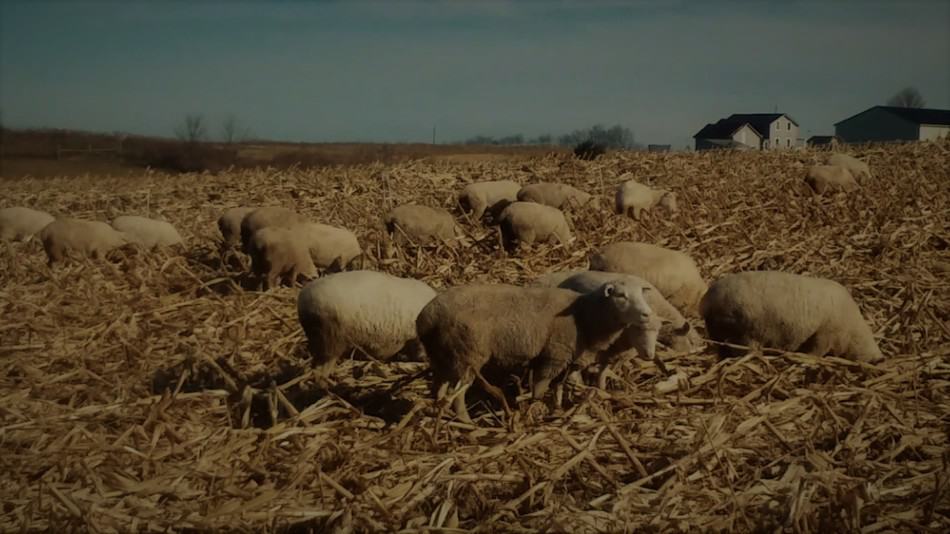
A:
(827, 178)
(148, 233)
(554, 194)
(20, 224)
(422, 225)
(676, 332)
(492, 196)
(95, 239)
(279, 253)
(633, 197)
(229, 224)
(674, 273)
(528, 222)
(858, 168)
(330, 247)
(375, 312)
(787, 312)
(549, 329)
(274, 216)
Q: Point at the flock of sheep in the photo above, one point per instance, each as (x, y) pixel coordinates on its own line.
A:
(634, 296)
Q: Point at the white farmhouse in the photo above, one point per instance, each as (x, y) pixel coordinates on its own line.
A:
(750, 131)
(887, 123)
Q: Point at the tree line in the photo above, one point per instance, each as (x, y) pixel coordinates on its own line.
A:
(616, 136)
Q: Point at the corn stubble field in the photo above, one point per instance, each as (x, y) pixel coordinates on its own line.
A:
(152, 393)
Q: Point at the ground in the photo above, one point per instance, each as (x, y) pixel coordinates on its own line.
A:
(152, 392)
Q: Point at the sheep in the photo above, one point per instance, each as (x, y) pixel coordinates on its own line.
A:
(676, 332)
(858, 168)
(633, 197)
(493, 196)
(268, 216)
(465, 327)
(88, 238)
(367, 309)
(148, 233)
(527, 222)
(20, 224)
(826, 178)
(788, 312)
(672, 272)
(553, 194)
(229, 224)
(279, 252)
(330, 247)
(421, 224)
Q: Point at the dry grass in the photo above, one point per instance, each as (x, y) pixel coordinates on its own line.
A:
(155, 394)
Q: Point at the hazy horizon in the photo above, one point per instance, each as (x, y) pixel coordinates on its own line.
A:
(389, 72)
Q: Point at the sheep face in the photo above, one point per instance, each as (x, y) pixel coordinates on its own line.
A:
(626, 300)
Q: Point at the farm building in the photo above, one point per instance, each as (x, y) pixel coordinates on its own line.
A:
(750, 131)
(887, 123)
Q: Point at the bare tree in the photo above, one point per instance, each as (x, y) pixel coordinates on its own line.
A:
(232, 131)
(908, 97)
(193, 129)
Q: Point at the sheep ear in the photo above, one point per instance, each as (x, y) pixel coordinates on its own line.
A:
(609, 290)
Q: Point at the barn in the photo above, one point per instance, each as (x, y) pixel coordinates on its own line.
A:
(888, 123)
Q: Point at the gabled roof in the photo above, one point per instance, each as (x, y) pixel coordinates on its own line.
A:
(915, 115)
(724, 128)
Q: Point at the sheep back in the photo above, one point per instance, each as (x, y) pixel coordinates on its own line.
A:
(275, 216)
(149, 233)
(553, 194)
(788, 312)
(279, 253)
(367, 309)
(825, 178)
(858, 168)
(528, 222)
(673, 272)
(87, 238)
(421, 224)
(481, 196)
(329, 245)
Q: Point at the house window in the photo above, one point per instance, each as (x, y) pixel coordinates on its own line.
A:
(789, 125)
(788, 142)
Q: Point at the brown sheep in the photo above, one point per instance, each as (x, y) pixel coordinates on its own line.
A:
(279, 253)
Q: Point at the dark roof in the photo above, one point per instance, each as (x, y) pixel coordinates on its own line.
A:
(821, 139)
(724, 128)
(915, 115)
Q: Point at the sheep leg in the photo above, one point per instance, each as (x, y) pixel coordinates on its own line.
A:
(817, 345)
(494, 391)
(636, 213)
(458, 403)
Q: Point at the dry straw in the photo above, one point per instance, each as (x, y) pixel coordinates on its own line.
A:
(154, 394)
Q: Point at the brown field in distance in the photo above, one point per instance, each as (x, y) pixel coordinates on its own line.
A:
(152, 393)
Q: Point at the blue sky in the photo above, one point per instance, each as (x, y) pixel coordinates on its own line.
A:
(371, 71)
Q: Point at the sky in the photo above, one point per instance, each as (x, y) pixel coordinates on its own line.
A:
(390, 72)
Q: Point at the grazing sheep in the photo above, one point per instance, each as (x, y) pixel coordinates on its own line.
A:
(367, 309)
(554, 195)
(527, 222)
(672, 272)
(492, 196)
(675, 333)
(549, 329)
(633, 197)
(421, 224)
(826, 178)
(230, 224)
(279, 253)
(88, 238)
(788, 312)
(858, 168)
(330, 247)
(148, 233)
(274, 216)
(20, 224)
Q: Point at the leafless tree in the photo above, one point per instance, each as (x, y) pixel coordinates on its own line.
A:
(232, 131)
(193, 129)
(908, 97)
